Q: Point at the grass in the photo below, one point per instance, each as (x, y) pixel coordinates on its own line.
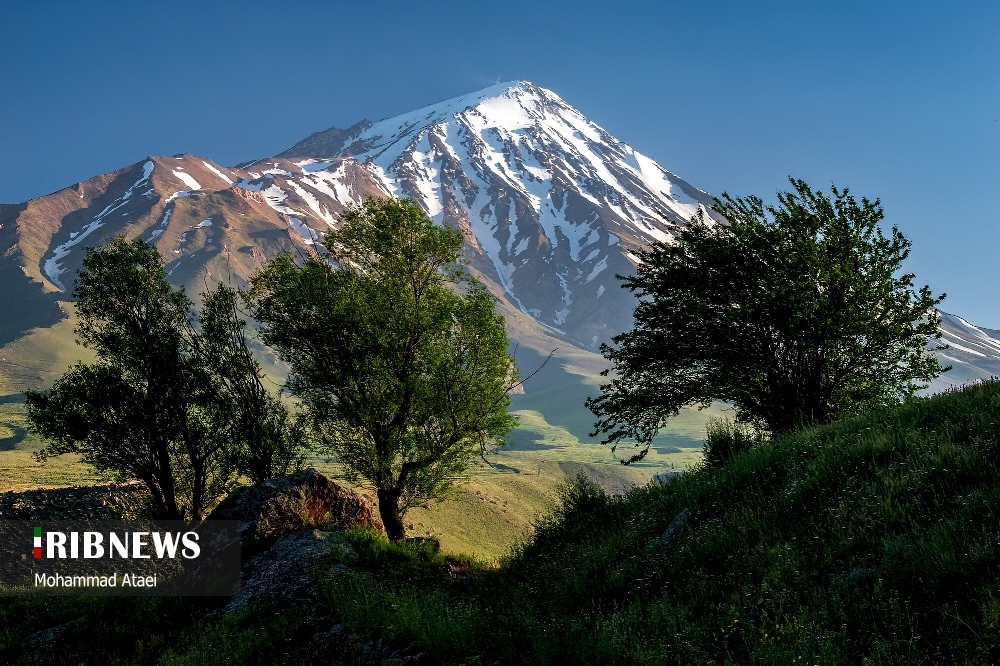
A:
(494, 509)
(18, 468)
(163, 630)
(34, 360)
(871, 541)
(875, 540)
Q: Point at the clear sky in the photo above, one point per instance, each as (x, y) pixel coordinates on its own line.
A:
(896, 100)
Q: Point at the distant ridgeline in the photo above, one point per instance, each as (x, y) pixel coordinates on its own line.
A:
(552, 206)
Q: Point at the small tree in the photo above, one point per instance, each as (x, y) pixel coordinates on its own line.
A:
(793, 313)
(405, 378)
(158, 405)
(133, 412)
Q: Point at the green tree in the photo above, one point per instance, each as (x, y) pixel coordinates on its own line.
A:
(265, 440)
(795, 313)
(165, 402)
(400, 359)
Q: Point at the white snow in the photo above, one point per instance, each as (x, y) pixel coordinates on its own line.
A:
(601, 265)
(973, 334)
(312, 202)
(955, 345)
(308, 236)
(147, 171)
(275, 197)
(204, 223)
(250, 186)
(515, 138)
(168, 209)
(331, 184)
(187, 179)
(218, 173)
(423, 164)
(311, 166)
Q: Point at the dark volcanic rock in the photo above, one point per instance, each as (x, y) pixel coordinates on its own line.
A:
(304, 500)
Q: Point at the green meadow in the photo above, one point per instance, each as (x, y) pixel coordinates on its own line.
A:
(491, 510)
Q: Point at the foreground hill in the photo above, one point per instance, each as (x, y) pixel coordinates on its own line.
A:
(873, 540)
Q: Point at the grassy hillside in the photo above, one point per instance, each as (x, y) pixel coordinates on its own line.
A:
(871, 541)
(874, 540)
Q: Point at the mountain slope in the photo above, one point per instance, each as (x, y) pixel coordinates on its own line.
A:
(552, 207)
(973, 352)
(551, 203)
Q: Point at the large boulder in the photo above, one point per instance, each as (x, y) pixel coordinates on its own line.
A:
(304, 500)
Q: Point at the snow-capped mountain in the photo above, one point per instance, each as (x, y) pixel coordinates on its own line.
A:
(973, 352)
(552, 206)
(550, 202)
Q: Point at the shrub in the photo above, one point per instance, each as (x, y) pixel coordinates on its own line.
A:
(726, 439)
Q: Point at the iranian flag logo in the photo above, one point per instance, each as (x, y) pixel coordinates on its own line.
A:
(38, 543)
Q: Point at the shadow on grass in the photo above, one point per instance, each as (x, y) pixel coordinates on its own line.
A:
(526, 440)
(10, 443)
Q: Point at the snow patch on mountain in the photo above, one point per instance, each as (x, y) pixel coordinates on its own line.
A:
(218, 173)
(187, 179)
(540, 186)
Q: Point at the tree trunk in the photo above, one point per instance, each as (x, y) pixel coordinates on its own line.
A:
(167, 495)
(388, 509)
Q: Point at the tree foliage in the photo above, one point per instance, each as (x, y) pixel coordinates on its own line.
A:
(795, 313)
(265, 440)
(163, 403)
(400, 359)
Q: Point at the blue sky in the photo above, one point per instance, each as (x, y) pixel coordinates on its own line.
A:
(896, 100)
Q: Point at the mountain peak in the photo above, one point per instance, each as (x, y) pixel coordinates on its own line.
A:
(350, 142)
(551, 205)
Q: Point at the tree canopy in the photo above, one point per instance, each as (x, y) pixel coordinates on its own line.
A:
(399, 357)
(795, 313)
(178, 407)
(265, 440)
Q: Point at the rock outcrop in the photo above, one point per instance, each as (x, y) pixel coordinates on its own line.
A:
(285, 570)
(110, 502)
(305, 500)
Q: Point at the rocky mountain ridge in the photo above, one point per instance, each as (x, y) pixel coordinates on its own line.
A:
(551, 204)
